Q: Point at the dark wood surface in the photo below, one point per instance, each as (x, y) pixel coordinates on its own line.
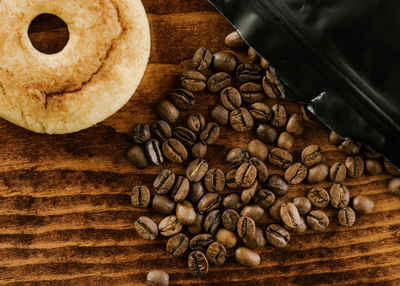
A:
(65, 212)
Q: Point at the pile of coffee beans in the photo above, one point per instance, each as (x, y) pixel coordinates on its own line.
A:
(210, 214)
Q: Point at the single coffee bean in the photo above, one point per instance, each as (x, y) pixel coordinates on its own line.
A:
(216, 253)
(199, 150)
(335, 139)
(246, 227)
(181, 189)
(249, 72)
(295, 124)
(355, 166)
(253, 211)
(226, 237)
(363, 204)
(311, 155)
(174, 151)
(277, 185)
(347, 217)
(235, 41)
(210, 133)
(374, 167)
(275, 210)
(202, 59)
(247, 257)
(167, 111)
(141, 133)
(285, 141)
(170, 226)
(252, 92)
(182, 98)
(230, 179)
(140, 196)
(241, 120)
(164, 182)
(137, 157)
(260, 112)
(185, 213)
(264, 198)
(196, 122)
(220, 115)
(231, 98)
(319, 197)
(390, 168)
(212, 221)
(224, 62)
(317, 220)
(196, 170)
(267, 133)
(296, 173)
(339, 196)
(277, 235)
(209, 202)
(185, 135)
(394, 186)
(157, 278)
(272, 85)
(279, 116)
(218, 81)
(267, 86)
(246, 175)
(230, 219)
(280, 158)
(201, 241)
(317, 173)
(308, 116)
(248, 193)
(302, 227)
(232, 201)
(146, 228)
(338, 172)
(193, 81)
(290, 216)
(257, 241)
(197, 263)
(163, 205)
(177, 245)
(258, 149)
(262, 170)
(237, 157)
(350, 147)
(253, 56)
(264, 63)
(302, 204)
(161, 130)
(197, 226)
(154, 153)
(214, 180)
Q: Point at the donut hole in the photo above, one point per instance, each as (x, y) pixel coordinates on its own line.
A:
(48, 33)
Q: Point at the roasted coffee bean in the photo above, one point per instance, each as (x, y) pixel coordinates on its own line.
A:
(302, 204)
(193, 81)
(390, 168)
(230, 179)
(163, 205)
(258, 149)
(317, 220)
(197, 226)
(253, 211)
(226, 237)
(230, 219)
(162, 130)
(137, 157)
(319, 197)
(214, 180)
(277, 185)
(241, 120)
(181, 189)
(317, 173)
(235, 41)
(177, 245)
(350, 147)
(146, 228)
(246, 227)
(264, 63)
(164, 182)
(141, 133)
(275, 210)
(347, 217)
(374, 167)
(295, 124)
(185, 135)
(355, 166)
(277, 235)
(272, 85)
(224, 62)
(220, 115)
(394, 186)
(262, 170)
(279, 116)
(266, 133)
(201, 241)
(202, 59)
(339, 196)
(170, 226)
(363, 204)
(174, 151)
(290, 216)
(338, 172)
(237, 157)
(167, 111)
(311, 155)
(253, 56)
(232, 201)
(249, 72)
(280, 158)
(157, 278)
(231, 98)
(252, 92)
(308, 116)
(196, 122)
(257, 241)
(182, 98)
(216, 253)
(248, 193)
(335, 139)
(268, 88)
(260, 112)
(296, 173)
(154, 153)
(302, 227)
(212, 221)
(197, 263)
(264, 198)
(247, 257)
(218, 81)
(209, 202)
(140, 196)
(210, 133)
(185, 213)
(285, 141)
(246, 175)
(199, 150)
(196, 170)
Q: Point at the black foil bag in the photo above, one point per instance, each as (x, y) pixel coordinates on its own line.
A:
(342, 57)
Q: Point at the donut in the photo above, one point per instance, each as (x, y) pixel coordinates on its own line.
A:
(90, 79)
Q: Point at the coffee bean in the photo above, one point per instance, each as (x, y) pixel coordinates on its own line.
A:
(295, 124)
(252, 92)
(272, 85)
(390, 168)
(216, 253)
(197, 192)
(262, 170)
(197, 263)
(197, 226)
(338, 172)
(157, 278)
(257, 241)
(308, 116)
(302, 204)
(279, 116)
(290, 216)
(232, 201)
(339, 196)
(302, 227)
(246, 175)
(268, 88)
(180, 190)
(249, 72)
(277, 185)
(137, 157)
(394, 186)
(202, 59)
(335, 139)
(350, 147)
(174, 151)
(280, 158)
(260, 112)
(264, 63)
(167, 111)
(146, 228)
(264, 198)
(230, 219)
(140, 196)
(196, 122)
(163, 204)
(285, 141)
(248, 193)
(246, 227)
(317, 173)
(177, 245)
(199, 150)
(258, 149)
(209, 202)
(253, 211)
(275, 210)
(347, 217)
(196, 170)
(141, 133)
(311, 155)
(237, 157)
(231, 98)
(212, 221)
(241, 120)
(355, 166)
(224, 62)
(374, 167)
(230, 179)
(185, 135)
(266, 133)
(154, 153)
(201, 241)
(226, 237)
(277, 235)
(162, 130)
(296, 173)
(253, 56)
(319, 197)
(247, 257)
(363, 204)
(164, 182)
(220, 115)
(218, 81)
(317, 220)
(214, 180)
(193, 81)
(185, 213)
(210, 133)
(235, 41)
(170, 226)
(182, 98)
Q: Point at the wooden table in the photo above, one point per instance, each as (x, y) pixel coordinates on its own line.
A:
(65, 212)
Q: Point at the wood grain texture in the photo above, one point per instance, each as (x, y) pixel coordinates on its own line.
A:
(65, 212)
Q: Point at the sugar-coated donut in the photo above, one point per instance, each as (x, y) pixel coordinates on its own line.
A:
(90, 79)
